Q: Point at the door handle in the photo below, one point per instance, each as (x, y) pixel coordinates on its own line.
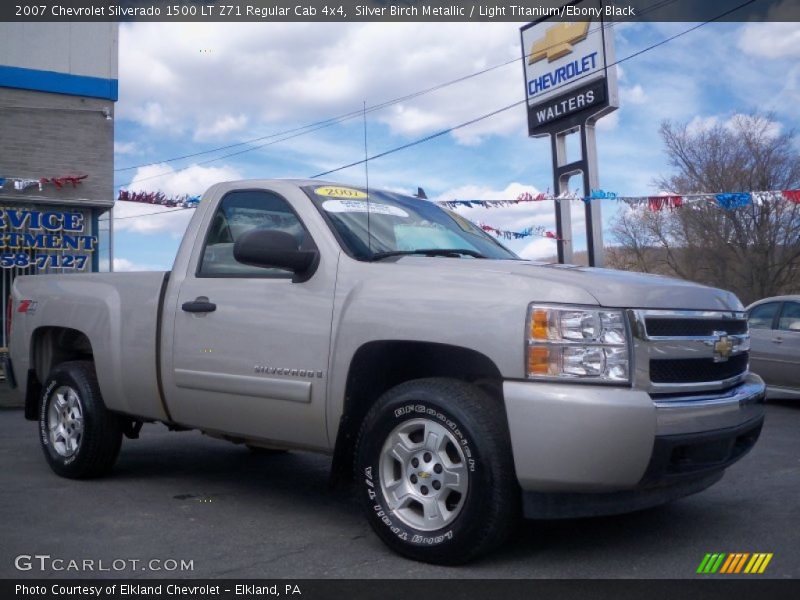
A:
(777, 340)
(199, 305)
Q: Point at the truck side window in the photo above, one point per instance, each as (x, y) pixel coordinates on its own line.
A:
(238, 213)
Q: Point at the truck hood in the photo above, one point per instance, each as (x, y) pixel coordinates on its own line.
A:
(609, 287)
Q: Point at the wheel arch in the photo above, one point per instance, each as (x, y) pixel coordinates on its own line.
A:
(378, 366)
(50, 346)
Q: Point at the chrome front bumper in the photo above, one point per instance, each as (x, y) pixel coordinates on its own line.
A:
(590, 438)
(694, 413)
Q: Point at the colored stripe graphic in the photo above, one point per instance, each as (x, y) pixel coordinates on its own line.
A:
(703, 563)
(711, 563)
(765, 563)
(758, 563)
(59, 83)
(716, 565)
(741, 562)
(734, 562)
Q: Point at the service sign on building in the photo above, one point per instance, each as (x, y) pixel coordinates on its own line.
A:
(569, 71)
(44, 239)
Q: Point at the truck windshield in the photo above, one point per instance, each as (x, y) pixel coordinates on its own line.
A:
(388, 224)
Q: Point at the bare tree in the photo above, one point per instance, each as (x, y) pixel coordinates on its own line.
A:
(753, 250)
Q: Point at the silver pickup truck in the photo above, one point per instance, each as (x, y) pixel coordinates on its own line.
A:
(458, 385)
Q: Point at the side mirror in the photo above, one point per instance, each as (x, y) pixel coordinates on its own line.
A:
(277, 249)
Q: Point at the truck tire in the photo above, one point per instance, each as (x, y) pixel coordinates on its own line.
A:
(435, 472)
(80, 437)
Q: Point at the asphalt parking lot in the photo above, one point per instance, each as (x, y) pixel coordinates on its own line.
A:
(237, 514)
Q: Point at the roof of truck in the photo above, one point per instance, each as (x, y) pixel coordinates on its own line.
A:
(297, 182)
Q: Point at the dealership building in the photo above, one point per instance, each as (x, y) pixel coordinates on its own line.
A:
(58, 86)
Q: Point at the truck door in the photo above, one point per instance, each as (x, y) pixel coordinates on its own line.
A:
(250, 347)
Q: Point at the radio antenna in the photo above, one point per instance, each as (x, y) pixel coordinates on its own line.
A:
(366, 176)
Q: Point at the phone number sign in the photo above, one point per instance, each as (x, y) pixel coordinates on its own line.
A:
(44, 239)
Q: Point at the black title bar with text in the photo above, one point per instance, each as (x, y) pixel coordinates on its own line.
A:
(391, 10)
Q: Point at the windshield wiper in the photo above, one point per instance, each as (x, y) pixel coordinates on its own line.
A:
(452, 252)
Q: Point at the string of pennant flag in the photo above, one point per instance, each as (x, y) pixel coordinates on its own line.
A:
(24, 183)
(537, 231)
(186, 201)
(726, 201)
(183, 201)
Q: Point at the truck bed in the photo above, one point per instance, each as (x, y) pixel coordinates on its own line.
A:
(118, 312)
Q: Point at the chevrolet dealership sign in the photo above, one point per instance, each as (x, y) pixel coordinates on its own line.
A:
(567, 70)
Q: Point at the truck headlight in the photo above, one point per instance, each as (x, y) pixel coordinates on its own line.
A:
(577, 343)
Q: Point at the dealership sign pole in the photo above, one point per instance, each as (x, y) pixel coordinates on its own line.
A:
(569, 86)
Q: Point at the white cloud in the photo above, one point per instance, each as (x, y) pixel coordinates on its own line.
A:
(126, 148)
(123, 264)
(192, 180)
(772, 39)
(771, 129)
(152, 114)
(698, 124)
(150, 218)
(634, 95)
(266, 75)
(515, 217)
(410, 120)
(147, 218)
(221, 127)
(609, 122)
(538, 249)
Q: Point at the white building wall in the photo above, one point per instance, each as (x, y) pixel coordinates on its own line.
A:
(88, 49)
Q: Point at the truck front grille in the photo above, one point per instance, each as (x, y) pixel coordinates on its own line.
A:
(680, 351)
(696, 370)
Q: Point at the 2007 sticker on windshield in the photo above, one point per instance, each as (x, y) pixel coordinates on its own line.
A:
(332, 191)
(359, 206)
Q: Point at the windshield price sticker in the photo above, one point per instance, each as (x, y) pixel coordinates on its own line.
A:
(339, 192)
(358, 206)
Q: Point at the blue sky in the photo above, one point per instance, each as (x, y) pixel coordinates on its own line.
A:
(189, 87)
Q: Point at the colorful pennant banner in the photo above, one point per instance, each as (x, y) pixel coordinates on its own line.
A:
(184, 201)
(60, 182)
(792, 195)
(537, 231)
(726, 201)
(21, 184)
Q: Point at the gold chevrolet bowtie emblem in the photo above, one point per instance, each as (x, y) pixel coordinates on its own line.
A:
(558, 41)
(424, 474)
(723, 347)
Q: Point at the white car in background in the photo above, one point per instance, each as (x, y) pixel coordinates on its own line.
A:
(775, 344)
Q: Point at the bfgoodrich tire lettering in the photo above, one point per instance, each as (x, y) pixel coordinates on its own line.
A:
(475, 511)
(79, 436)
